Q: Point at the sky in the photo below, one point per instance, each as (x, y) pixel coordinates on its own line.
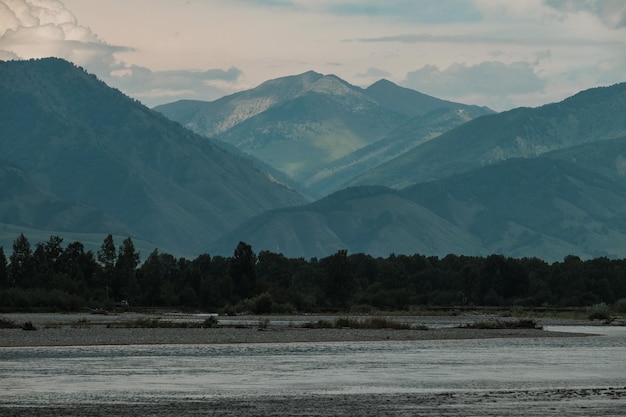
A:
(496, 53)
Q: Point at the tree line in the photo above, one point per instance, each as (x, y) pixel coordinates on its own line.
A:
(54, 276)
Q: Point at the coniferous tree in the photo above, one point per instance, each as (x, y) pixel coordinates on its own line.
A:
(242, 270)
(150, 279)
(107, 256)
(125, 282)
(21, 266)
(4, 272)
(339, 279)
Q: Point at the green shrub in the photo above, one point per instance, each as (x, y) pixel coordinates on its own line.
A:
(8, 324)
(262, 303)
(158, 324)
(599, 311)
(620, 306)
(373, 323)
(504, 324)
(210, 322)
(80, 324)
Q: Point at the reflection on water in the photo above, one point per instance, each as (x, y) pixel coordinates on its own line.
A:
(138, 373)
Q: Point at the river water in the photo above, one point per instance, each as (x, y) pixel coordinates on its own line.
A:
(130, 374)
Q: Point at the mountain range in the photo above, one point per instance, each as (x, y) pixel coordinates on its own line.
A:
(307, 165)
(559, 204)
(319, 131)
(588, 116)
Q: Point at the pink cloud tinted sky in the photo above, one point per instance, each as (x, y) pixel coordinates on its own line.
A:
(497, 53)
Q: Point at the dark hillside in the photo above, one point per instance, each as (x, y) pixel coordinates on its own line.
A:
(87, 143)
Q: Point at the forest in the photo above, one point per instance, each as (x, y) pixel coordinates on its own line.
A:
(52, 276)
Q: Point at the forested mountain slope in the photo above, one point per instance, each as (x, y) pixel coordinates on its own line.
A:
(88, 144)
(588, 116)
(568, 202)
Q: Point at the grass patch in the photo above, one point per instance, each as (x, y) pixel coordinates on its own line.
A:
(8, 324)
(504, 324)
(163, 324)
(373, 323)
(80, 324)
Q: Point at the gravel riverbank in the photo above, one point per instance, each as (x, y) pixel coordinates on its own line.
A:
(81, 330)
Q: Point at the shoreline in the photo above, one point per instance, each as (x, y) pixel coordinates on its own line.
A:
(86, 330)
(602, 401)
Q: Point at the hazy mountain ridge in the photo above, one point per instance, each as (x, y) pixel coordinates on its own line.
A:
(373, 220)
(564, 202)
(212, 118)
(318, 129)
(413, 103)
(408, 135)
(85, 142)
(533, 207)
(588, 116)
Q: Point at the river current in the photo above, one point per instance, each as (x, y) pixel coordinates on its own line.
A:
(127, 374)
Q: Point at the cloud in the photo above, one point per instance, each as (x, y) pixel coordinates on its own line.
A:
(490, 83)
(612, 13)
(416, 11)
(43, 28)
(158, 87)
(485, 40)
(375, 73)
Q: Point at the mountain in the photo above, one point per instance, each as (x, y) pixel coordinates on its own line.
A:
(86, 143)
(212, 118)
(412, 103)
(549, 206)
(319, 130)
(24, 203)
(417, 130)
(565, 202)
(588, 116)
(327, 121)
(372, 220)
(27, 208)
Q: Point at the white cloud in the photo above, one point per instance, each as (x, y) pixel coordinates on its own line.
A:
(43, 28)
(374, 74)
(158, 87)
(491, 83)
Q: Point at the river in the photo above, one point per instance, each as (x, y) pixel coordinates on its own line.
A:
(77, 376)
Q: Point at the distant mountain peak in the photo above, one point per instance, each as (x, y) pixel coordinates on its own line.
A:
(331, 84)
(407, 101)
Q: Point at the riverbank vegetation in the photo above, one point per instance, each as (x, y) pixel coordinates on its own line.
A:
(57, 277)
